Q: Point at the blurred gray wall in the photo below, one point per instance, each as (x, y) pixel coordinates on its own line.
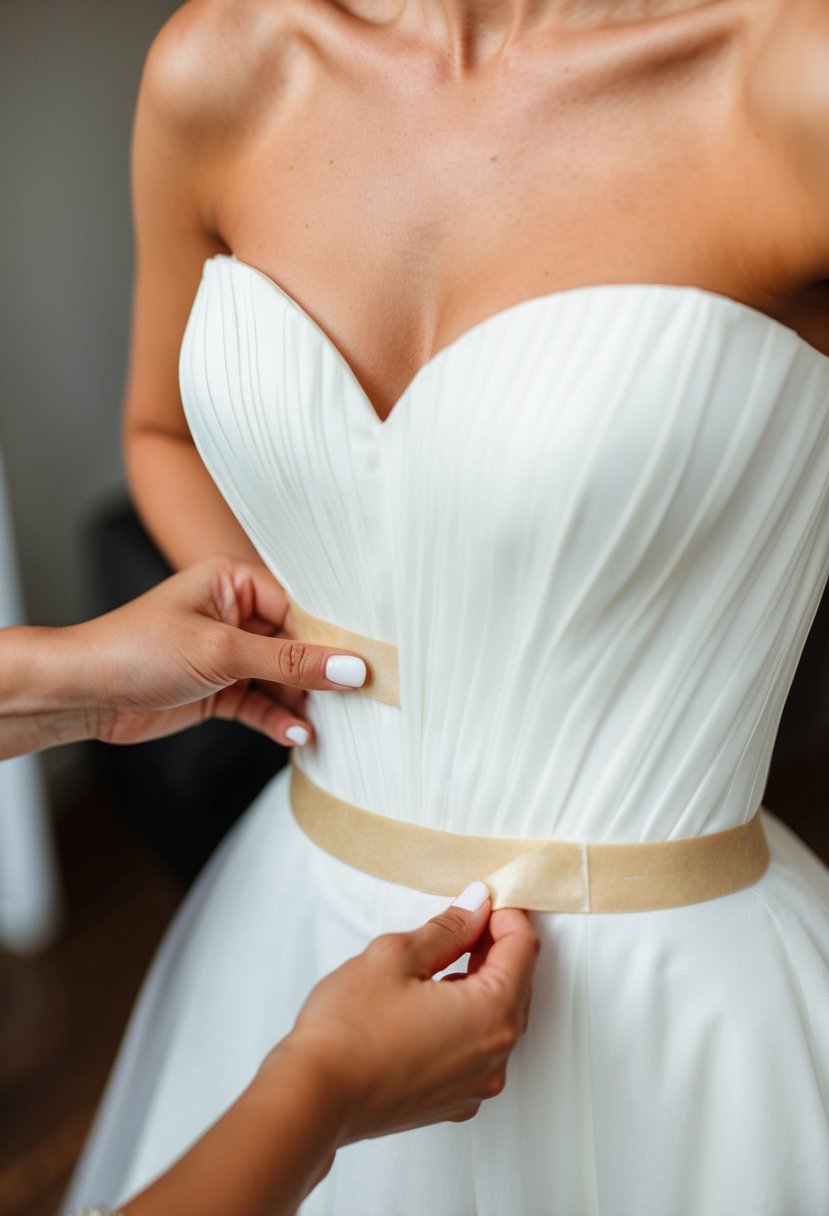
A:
(69, 72)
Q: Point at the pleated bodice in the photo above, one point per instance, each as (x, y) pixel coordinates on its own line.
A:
(596, 526)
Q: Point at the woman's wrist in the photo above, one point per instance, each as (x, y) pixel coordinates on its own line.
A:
(311, 1074)
(264, 1155)
(43, 686)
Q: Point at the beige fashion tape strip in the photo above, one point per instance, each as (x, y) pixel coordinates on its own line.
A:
(382, 682)
(541, 875)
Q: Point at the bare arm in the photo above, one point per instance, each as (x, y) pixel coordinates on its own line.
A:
(788, 95)
(178, 123)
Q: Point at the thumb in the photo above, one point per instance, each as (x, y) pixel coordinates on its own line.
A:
(301, 664)
(451, 933)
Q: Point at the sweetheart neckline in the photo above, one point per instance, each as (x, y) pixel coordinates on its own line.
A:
(679, 290)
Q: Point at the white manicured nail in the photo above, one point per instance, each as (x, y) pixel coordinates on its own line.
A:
(298, 735)
(472, 898)
(346, 669)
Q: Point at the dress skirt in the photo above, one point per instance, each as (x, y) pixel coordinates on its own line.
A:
(675, 1064)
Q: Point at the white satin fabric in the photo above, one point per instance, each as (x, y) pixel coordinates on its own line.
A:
(596, 526)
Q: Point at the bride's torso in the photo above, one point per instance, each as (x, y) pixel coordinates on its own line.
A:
(593, 523)
(596, 527)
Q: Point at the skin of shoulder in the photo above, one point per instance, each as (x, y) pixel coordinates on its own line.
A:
(789, 92)
(201, 72)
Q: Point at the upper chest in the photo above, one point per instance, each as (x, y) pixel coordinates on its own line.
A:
(400, 207)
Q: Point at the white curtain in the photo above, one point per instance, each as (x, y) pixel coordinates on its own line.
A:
(29, 898)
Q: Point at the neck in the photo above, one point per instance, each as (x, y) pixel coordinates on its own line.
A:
(474, 32)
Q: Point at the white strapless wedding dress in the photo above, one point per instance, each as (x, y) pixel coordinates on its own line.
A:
(596, 526)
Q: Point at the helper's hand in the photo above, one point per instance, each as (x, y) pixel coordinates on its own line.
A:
(378, 1047)
(190, 649)
(396, 1049)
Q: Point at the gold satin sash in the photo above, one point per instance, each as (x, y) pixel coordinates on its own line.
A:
(382, 679)
(540, 875)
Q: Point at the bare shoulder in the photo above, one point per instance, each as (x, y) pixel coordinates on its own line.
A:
(206, 65)
(789, 96)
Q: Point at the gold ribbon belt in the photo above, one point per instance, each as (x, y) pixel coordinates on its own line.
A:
(382, 681)
(543, 875)
(537, 874)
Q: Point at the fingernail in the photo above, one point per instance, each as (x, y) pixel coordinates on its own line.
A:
(346, 669)
(298, 735)
(472, 898)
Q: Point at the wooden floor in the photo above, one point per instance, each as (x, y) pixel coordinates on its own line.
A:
(62, 1013)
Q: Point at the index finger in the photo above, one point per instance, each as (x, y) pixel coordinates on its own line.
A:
(509, 961)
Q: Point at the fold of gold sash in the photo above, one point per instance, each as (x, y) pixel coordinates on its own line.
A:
(382, 682)
(540, 875)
